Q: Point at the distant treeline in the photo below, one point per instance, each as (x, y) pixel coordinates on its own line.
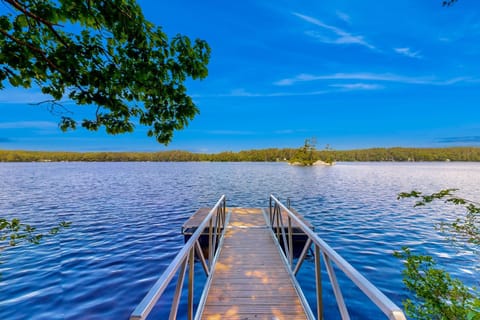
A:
(272, 154)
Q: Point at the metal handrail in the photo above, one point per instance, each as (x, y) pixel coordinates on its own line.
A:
(186, 257)
(322, 249)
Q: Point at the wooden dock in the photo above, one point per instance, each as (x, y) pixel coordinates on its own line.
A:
(250, 280)
(248, 274)
(299, 237)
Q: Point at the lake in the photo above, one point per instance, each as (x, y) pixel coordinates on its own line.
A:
(126, 220)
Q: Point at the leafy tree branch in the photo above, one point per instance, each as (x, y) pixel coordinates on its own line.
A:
(437, 294)
(14, 232)
(465, 228)
(105, 54)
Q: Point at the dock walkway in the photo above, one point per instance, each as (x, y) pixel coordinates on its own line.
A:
(251, 257)
(250, 280)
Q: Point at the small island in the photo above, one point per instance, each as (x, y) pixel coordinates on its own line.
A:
(307, 156)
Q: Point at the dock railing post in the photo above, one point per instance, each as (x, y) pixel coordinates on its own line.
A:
(318, 283)
(178, 291)
(270, 213)
(277, 214)
(224, 210)
(210, 243)
(290, 242)
(191, 279)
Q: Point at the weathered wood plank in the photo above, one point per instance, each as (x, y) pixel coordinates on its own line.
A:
(196, 219)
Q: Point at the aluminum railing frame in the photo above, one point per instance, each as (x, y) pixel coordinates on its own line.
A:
(186, 258)
(322, 249)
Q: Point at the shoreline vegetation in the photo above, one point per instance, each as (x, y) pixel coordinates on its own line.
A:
(308, 155)
(471, 154)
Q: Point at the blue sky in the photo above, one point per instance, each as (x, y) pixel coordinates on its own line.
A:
(353, 74)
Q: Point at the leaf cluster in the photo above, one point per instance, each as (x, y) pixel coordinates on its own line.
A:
(14, 232)
(466, 228)
(438, 295)
(105, 54)
(448, 3)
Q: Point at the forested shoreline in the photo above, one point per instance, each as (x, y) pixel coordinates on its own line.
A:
(256, 155)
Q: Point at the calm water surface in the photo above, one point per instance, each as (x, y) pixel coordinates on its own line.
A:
(126, 220)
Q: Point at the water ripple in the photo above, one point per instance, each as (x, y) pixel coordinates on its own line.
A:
(126, 220)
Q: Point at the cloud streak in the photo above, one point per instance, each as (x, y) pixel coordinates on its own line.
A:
(408, 53)
(343, 16)
(357, 86)
(331, 34)
(383, 77)
(28, 125)
(243, 93)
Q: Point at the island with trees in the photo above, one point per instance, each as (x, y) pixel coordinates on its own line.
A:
(307, 155)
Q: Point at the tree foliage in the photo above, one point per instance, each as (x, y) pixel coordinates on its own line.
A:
(437, 294)
(14, 232)
(448, 3)
(103, 54)
(463, 229)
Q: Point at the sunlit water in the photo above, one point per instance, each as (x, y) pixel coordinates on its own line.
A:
(126, 220)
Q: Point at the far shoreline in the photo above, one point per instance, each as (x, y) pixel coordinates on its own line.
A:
(395, 154)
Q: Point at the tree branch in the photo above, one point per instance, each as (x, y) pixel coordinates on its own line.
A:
(49, 24)
(33, 48)
(54, 105)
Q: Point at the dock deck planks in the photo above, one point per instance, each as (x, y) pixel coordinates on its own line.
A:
(192, 223)
(250, 280)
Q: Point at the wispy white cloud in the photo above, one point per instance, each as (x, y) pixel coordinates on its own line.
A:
(299, 78)
(15, 96)
(285, 131)
(244, 93)
(357, 86)
(285, 82)
(334, 34)
(384, 77)
(359, 81)
(28, 96)
(445, 39)
(408, 52)
(290, 131)
(29, 125)
(343, 16)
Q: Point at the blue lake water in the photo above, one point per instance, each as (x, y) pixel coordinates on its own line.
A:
(126, 220)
